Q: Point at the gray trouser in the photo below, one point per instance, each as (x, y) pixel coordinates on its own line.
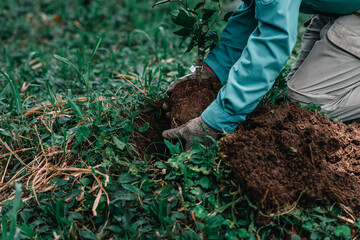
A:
(327, 71)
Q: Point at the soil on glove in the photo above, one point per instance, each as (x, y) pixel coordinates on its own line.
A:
(284, 155)
(190, 98)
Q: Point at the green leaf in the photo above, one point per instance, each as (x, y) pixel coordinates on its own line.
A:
(316, 235)
(74, 193)
(180, 17)
(114, 228)
(82, 133)
(190, 47)
(190, 235)
(212, 36)
(161, 2)
(63, 120)
(357, 224)
(144, 127)
(133, 189)
(119, 144)
(85, 181)
(183, 170)
(160, 165)
(126, 178)
(173, 148)
(343, 231)
(200, 4)
(295, 237)
(183, 32)
(215, 221)
(88, 235)
(208, 13)
(205, 182)
(5, 133)
(75, 215)
(200, 212)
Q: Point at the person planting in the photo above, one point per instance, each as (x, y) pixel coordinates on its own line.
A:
(254, 47)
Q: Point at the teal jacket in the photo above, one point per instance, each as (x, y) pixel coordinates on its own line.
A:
(253, 49)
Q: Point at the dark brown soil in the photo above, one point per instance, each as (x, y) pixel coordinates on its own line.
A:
(150, 142)
(189, 99)
(284, 153)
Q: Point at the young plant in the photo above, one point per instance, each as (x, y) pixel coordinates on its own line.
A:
(196, 23)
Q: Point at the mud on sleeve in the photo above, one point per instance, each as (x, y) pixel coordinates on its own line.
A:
(267, 51)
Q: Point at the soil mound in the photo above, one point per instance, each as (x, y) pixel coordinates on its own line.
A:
(190, 98)
(283, 154)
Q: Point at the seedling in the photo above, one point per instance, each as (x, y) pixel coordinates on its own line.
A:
(196, 21)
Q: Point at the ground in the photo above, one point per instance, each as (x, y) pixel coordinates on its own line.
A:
(81, 89)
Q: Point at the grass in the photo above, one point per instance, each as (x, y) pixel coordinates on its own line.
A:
(75, 76)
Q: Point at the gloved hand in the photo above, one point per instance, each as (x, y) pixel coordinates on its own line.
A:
(196, 127)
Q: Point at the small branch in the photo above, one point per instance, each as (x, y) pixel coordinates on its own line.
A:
(215, 21)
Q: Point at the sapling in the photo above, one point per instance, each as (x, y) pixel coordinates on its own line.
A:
(196, 21)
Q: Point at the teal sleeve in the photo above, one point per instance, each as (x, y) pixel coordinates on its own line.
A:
(326, 7)
(267, 50)
(233, 40)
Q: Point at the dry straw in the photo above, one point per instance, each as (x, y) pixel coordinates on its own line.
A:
(47, 162)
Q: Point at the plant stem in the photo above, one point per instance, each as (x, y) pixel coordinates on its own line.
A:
(200, 59)
(215, 21)
(201, 47)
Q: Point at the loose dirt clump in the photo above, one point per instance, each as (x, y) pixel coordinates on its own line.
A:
(190, 98)
(283, 154)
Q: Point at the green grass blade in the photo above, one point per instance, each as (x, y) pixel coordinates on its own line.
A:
(161, 2)
(15, 92)
(52, 98)
(75, 108)
(96, 46)
(16, 206)
(27, 64)
(4, 228)
(141, 33)
(5, 89)
(67, 61)
(100, 109)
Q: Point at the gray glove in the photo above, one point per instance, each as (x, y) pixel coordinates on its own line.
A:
(196, 127)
